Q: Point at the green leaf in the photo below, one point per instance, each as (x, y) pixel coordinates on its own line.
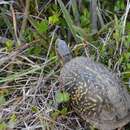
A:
(35, 50)
(62, 97)
(34, 109)
(3, 126)
(13, 118)
(120, 5)
(64, 111)
(127, 56)
(28, 34)
(55, 114)
(42, 26)
(128, 26)
(54, 19)
(2, 100)
(12, 121)
(128, 38)
(9, 45)
(128, 65)
(85, 18)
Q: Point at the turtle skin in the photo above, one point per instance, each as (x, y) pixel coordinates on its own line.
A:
(96, 93)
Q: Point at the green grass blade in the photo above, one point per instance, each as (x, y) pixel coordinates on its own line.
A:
(75, 11)
(68, 19)
(6, 20)
(18, 75)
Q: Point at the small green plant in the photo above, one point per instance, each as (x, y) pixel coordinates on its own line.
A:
(54, 19)
(42, 26)
(9, 45)
(12, 121)
(34, 109)
(55, 114)
(2, 99)
(3, 126)
(119, 5)
(62, 97)
(85, 18)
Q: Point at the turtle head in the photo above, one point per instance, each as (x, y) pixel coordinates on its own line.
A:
(63, 51)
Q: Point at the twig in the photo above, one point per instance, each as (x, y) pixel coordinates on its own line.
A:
(15, 24)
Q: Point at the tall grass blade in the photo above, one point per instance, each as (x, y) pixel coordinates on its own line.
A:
(68, 19)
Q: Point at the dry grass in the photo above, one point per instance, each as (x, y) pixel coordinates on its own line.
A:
(28, 81)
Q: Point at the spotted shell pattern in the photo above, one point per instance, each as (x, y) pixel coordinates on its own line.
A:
(96, 93)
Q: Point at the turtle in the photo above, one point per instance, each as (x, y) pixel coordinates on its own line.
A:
(96, 93)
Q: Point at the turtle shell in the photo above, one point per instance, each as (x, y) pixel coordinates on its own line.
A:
(96, 93)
